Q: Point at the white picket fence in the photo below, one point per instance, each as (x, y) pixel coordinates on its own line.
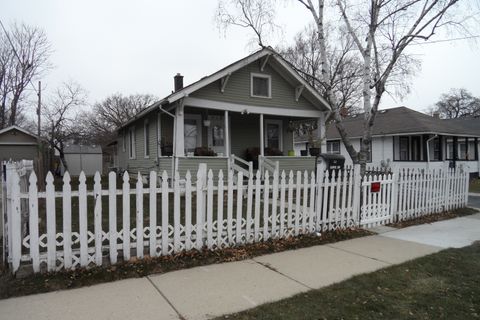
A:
(206, 211)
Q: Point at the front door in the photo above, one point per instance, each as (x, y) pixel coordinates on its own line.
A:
(216, 134)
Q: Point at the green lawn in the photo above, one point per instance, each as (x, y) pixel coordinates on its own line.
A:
(444, 285)
(475, 185)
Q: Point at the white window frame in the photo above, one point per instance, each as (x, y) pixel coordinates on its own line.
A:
(280, 138)
(265, 76)
(330, 143)
(159, 134)
(145, 134)
(132, 149)
(124, 141)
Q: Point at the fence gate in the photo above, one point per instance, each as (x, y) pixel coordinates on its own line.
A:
(378, 200)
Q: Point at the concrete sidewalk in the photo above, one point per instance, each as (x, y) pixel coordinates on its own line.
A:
(209, 291)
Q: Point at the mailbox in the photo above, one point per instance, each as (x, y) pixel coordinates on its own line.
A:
(375, 187)
(331, 161)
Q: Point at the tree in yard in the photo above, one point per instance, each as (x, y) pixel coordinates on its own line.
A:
(61, 115)
(108, 115)
(381, 31)
(24, 58)
(345, 67)
(458, 103)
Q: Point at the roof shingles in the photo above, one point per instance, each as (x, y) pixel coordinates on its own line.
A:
(402, 120)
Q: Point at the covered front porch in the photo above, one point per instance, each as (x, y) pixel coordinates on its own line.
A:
(230, 137)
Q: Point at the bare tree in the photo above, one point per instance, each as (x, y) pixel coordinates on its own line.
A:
(458, 103)
(345, 67)
(381, 31)
(108, 115)
(61, 117)
(258, 16)
(24, 57)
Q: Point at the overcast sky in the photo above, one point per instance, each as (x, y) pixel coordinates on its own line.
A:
(111, 46)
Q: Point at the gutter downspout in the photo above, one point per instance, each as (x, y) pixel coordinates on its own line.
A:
(174, 138)
(428, 150)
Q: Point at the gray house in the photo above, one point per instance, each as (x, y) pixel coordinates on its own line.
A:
(234, 119)
(17, 144)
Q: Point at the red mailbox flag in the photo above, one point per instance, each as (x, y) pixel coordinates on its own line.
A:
(375, 187)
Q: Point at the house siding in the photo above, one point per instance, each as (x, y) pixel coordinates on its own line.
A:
(237, 90)
(191, 164)
(18, 152)
(140, 163)
(288, 164)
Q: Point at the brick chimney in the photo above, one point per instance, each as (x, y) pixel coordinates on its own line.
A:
(436, 115)
(178, 82)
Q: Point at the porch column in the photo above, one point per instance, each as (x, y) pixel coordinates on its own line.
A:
(321, 133)
(179, 132)
(262, 141)
(227, 135)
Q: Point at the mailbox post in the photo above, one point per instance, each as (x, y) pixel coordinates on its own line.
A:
(331, 161)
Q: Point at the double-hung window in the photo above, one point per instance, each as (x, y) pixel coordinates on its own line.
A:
(146, 138)
(333, 147)
(260, 85)
(131, 143)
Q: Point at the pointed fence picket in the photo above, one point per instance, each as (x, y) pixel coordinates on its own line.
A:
(207, 210)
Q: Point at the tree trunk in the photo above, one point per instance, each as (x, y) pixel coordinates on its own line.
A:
(63, 160)
(13, 110)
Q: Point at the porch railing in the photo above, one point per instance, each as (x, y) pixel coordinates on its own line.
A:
(268, 165)
(239, 165)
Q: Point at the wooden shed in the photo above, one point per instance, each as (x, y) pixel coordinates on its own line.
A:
(17, 144)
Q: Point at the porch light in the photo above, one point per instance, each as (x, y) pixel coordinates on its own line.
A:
(206, 123)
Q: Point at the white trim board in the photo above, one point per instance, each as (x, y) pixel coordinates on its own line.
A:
(262, 76)
(18, 143)
(19, 129)
(219, 105)
(412, 134)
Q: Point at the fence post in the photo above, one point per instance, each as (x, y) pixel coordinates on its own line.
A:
(394, 197)
(9, 169)
(467, 178)
(449, 190)
(14, 223)
(318, 206)
(357, 185)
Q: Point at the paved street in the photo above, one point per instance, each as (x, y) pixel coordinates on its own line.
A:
(474, 200)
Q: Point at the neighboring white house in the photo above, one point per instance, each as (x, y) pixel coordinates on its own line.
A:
(83, 158)
(402, 137)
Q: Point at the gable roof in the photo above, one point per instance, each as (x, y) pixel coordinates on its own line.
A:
(264, 52)
(398, 121)
(15, 127)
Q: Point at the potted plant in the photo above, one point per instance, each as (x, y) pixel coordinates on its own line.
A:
(204, 152)
(314, 146)
(306, 130)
